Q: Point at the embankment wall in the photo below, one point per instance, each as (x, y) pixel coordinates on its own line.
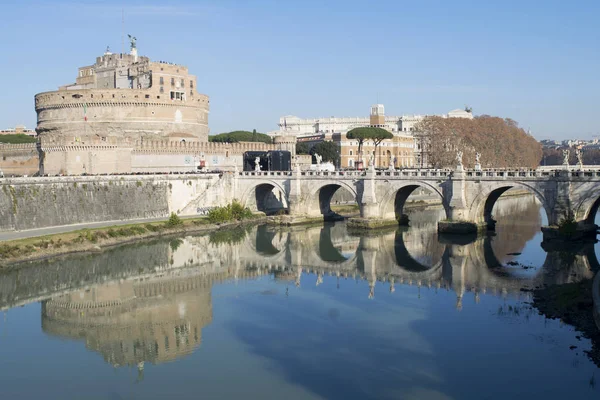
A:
(29, 203)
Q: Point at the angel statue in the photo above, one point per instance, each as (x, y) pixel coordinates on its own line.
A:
(132, 42)
(319, 158)
(459, 158)
(566, 157)
(579, 155)
(257, 164)
(477, 157)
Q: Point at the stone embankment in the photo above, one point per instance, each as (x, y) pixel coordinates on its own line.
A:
(30, 203)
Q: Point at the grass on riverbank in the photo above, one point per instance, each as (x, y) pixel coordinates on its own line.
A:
(90, 239)
(344, 209)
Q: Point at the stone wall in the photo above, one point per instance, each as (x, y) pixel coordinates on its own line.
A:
(19, 159)
(29, 203)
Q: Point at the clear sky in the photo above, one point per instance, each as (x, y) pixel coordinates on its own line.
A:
(537, 62)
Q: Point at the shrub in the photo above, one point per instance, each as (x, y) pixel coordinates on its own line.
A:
(112, 233)
(240, 212)
(174, 221)
(231, 212)
(152, 228)
(219, 214)
(568, 226)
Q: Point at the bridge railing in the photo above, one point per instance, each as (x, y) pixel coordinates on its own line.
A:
(432, 173)
(264, 173)
(531, 173)
(423, 173)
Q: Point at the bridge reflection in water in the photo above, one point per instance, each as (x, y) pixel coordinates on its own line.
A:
(149, 302)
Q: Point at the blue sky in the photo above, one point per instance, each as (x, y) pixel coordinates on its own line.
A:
(537, 62)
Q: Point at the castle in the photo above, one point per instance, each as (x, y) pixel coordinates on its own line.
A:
(127, 114)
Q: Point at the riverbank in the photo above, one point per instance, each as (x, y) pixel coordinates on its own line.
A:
(95, 240)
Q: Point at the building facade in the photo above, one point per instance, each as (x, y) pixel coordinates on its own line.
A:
(292, 125)
(404, 150)
(18, 130)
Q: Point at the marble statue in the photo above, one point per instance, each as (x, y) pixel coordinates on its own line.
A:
(319, 158)
(579, 154)
(459, 158)
(566, 157)
(477, 161)
(132, 42)
(257, 164)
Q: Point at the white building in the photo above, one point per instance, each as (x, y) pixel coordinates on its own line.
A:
(292, 125)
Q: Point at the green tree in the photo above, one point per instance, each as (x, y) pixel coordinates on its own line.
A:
(302, 148)
(240, 136)
(378, 137)
(361, 135)
(17, 139)
(328, 150)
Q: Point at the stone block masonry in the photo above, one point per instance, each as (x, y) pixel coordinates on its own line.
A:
(29, 203)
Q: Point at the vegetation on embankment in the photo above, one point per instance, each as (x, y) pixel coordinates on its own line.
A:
(573, 304)
(345, 209)
(95, 239)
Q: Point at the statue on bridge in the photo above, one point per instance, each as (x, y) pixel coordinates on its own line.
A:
(579, 155)
(392, 159)
(477, 161)
(566, 158)
(319, 158)
(459, 159)
(257, 164)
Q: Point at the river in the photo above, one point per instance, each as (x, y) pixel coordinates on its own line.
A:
(311, 312)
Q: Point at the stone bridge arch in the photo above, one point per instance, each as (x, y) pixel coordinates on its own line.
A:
(317, 201)
(586, 202)
(481, 207)
(394, 198)
(261, 195)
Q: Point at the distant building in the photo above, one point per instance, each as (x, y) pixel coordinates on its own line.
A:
(292, 125)
(404, 150)
(18, 130)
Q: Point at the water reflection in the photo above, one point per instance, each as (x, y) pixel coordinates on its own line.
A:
(150, 302)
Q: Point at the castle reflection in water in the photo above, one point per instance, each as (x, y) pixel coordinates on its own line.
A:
(149, 302)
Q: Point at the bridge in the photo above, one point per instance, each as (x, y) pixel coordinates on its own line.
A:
(467, 195)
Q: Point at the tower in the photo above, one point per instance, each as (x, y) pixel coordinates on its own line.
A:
(377, 117)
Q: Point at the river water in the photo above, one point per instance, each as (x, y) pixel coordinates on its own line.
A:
(300, 313)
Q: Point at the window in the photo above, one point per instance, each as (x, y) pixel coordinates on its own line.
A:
(351, 153)
(162, 89)
(172, 81)
(162, 80)
(192, 84)
(182, 82)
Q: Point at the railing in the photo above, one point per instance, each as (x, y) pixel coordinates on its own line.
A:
(264, 173)
(531, 173)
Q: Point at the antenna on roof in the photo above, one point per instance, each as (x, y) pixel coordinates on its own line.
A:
(122, 30)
